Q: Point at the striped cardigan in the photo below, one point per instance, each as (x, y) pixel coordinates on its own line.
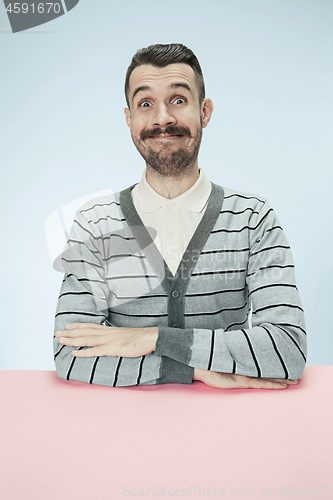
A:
(233, 305)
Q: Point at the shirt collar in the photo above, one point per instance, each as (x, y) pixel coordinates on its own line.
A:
(194, 199)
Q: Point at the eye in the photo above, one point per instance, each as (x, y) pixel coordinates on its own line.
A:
(142, 103)
(180, 99)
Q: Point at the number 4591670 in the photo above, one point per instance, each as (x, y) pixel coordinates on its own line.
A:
(40, 8)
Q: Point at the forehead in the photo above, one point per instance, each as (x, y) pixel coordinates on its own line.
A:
(157, 78)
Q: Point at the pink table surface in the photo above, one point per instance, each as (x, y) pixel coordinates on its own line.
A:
(65, 440)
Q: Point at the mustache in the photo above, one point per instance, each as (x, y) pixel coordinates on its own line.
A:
(172, 130)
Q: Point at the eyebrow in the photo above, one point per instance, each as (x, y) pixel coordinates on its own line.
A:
(145, 88)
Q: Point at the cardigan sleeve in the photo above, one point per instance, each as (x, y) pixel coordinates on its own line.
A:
(275, 345)
(84, 298)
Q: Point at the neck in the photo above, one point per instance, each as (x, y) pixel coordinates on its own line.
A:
(171, 187)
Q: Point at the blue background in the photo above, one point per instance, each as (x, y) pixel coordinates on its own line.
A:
(267, 66)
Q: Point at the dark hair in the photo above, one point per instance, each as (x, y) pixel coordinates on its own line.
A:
(161, 55)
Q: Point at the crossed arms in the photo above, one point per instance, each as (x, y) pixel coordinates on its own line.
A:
(135, 342)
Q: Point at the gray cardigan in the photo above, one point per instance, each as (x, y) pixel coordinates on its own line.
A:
(238, 257)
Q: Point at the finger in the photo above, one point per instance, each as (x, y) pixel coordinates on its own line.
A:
(241, 382)
(246, 382)
(283, 380)
(80, 332)
(73, 326)
(71, 333)
(257, 383)
(260, 383)
(86, 341)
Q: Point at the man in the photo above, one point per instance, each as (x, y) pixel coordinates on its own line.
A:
(160, 278)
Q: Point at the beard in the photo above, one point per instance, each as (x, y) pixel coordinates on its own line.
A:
(162, 159)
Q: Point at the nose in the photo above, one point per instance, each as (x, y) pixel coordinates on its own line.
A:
(163, 116)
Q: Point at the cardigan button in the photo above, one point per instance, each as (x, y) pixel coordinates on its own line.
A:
(175, 294)
(175, 326)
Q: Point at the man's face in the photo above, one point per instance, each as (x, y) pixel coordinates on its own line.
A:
(166, 119)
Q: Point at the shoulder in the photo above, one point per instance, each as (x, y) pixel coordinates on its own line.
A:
(99, 214)
(242, 209)
(103, 214)
(237, 199)
(103, 204)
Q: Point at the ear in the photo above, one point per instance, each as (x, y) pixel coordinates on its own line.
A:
(128, 117)
(207, 108)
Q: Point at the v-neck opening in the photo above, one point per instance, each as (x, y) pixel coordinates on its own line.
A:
(196, 243)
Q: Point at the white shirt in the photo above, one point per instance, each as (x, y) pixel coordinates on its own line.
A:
(175, 220)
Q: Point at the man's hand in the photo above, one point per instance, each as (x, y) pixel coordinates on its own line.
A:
(108, 340)
(231, 381)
